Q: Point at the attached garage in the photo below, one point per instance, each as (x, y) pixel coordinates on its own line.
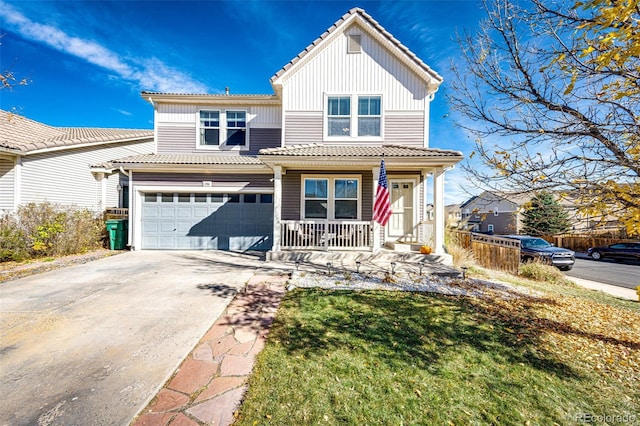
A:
(200, 221)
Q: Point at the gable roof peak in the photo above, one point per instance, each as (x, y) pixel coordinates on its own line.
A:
(432, 78)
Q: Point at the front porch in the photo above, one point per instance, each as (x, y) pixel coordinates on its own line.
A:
(337, 235)
(323, 196)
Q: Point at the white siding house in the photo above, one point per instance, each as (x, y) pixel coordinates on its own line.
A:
(42, 163)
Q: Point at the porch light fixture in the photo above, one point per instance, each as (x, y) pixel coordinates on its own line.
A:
(358, 263)
(464, 272)
(421, 265)
(393, 268)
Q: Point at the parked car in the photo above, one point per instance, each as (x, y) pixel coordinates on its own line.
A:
(534, 248)
(619, 251)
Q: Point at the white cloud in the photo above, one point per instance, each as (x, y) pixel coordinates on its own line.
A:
(149, 74)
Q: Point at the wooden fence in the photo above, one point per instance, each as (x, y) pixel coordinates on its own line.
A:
(491, 251)
(581, 243)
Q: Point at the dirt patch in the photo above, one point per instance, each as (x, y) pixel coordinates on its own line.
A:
(13, 270)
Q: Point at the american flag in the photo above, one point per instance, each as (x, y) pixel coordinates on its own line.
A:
(382, 205)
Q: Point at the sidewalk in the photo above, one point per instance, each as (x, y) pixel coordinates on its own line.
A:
(625, 293)
(209, 385)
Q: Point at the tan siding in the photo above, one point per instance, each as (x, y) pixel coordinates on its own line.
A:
(6, 184)
(303, 128)
(176, 139)
(404, 130)
(64, 177)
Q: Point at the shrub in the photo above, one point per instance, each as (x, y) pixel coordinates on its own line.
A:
(461, 256)
(44, 229)
(539, 271)
(13, 244)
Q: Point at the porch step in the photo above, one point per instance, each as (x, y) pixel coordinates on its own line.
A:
(403, 247)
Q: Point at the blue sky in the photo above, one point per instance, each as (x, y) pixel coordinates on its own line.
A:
(88, 61)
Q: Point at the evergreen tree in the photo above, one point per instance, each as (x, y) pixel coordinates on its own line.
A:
(544, 216)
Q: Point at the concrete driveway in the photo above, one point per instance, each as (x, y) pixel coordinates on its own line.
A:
(91, 344)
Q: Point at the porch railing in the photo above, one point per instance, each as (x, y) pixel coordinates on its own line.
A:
(326, 235)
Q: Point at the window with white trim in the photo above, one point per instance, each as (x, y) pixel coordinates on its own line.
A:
(236, 128)
(222, 128)
(339, 116)
(369, 116)
(331, 198)
(365, 121)
(209, 127)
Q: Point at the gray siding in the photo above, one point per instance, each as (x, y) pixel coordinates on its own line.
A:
(182, 139)
(262, 138)
(303, 128)
(404, 130)
(292, 187)
(6, 184)
(176, 139)
(191, 180)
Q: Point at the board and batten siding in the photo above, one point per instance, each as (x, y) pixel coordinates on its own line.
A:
(292, 192)
(64, 177)
(7, 179)
(373, 71)
(243, 182)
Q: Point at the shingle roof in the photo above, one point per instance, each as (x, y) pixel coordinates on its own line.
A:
(316, 150)
(358, 11)
(198, 159)
(20, 134)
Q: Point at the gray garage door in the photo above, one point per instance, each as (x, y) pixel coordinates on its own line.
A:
(207, 221)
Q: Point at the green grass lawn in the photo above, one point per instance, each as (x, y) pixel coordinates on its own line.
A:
(336, 357)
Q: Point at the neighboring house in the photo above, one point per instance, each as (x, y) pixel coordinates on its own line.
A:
(501, 213)
(297, 169)
(493, 212)
(43, 163)
(454, 215)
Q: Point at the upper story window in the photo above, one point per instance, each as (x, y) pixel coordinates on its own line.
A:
(339, 116)
(223, 129)
(236, 128)
(343, 122)
(369, 116)
(209, 127)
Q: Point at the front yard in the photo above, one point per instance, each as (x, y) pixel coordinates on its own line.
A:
(402, 358)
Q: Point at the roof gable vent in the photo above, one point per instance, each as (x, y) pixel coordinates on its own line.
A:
(354, 44)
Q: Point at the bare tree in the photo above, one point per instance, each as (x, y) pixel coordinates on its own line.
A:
(551, 94)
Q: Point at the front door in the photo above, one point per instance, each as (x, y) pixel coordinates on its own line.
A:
(402, 212)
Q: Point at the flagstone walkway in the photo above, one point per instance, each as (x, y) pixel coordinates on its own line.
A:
(209, 385)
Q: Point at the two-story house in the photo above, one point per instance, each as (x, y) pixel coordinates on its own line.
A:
(297, 169)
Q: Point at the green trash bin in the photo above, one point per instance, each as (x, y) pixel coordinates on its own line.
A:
(117, 232)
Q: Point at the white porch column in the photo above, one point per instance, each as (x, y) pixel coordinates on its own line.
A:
(376, 226)
(438, 210)
(277, 207)
(17, 183)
